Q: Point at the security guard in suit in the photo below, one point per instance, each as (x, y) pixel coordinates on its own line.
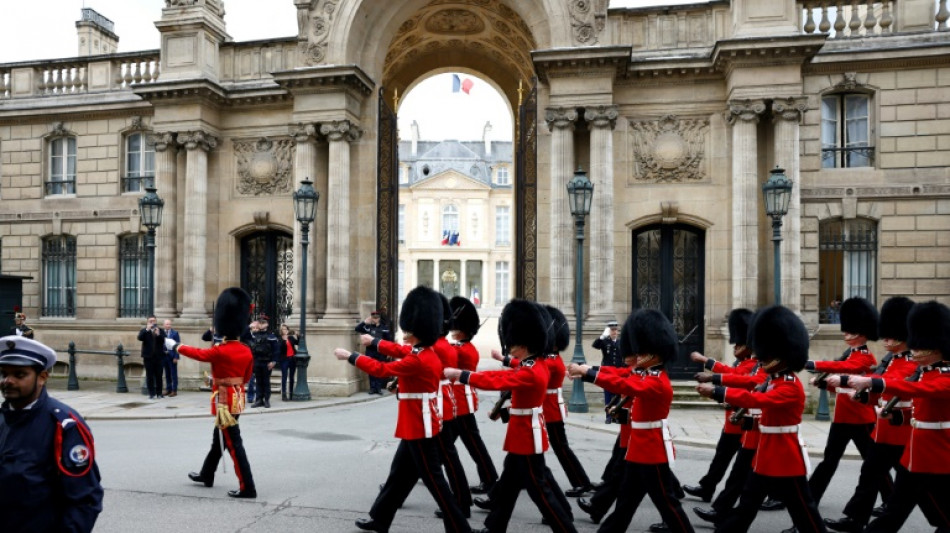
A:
(49, 480)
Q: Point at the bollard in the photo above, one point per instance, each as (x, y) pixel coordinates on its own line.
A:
(120, 385)
(823, 412)
(73, 382)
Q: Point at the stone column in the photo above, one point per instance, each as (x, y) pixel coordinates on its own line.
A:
(601, 120)
(198, 144)
(561, 122)
(305, 168)
(787, 114)
(166, 238)
(340, 134)
(744, 117)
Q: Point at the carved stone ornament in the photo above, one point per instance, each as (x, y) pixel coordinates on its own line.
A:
(791, 109)
(341, 130)
(264, 166)
(588, 18)
(560, 117)
(197, 139)
(745, 110)
(601, 116)
(162, 140)
(59, 130)
(670, 149)
(217, 7)
(848, 82)
(313, 21)
(455, 22)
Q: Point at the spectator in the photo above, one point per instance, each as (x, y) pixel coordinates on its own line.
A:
(379, 329)
(288, 364)
(153, 355)
(171, 360)
(20, 328)
(607, 344)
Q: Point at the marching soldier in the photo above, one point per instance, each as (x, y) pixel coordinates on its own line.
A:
(231, 367)
(20, 328)
(418, 425)
(648, 334)
(49, 479)
(923, 477)
(780, 342)
(730, 440)
(524, 331)
(892, 431)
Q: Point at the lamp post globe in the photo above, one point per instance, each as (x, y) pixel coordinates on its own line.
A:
(305, 210)
(580, 191)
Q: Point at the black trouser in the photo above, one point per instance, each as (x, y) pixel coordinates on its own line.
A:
(792, 491)
(606, 494)
(288, 369)
(472, 439)
(235, 447)
(528, 472)
(415, 459)
(262, 377)
(738, 476)
(930, 491)
(639, 480)
(726, 448)
(378, 384)
(838, 437)
(557, 438)
(153, 374)
(454, 472)
(874, 471)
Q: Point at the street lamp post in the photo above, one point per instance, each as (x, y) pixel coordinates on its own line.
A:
(305, 208)
(150, 209)
(580, 191)
(777, 192)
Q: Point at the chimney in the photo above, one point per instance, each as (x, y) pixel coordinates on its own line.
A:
(485, 138)
(96, 34)
(415, 137)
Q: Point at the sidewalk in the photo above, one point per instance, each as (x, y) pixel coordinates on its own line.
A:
(97, 400)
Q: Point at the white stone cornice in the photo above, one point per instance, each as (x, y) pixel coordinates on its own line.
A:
(192, 140)
(560, 117)
(162, 140)
(791, 109)
(341, 130)
(745, 110)
(601, 116)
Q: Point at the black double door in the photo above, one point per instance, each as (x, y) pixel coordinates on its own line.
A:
(668, 273)
(267, 274)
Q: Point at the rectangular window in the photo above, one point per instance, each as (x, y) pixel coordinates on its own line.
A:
(503, 225)
(139, 163)
(62, 166)
(502, 176)
(846, 131)
(502, 282)
(403, 174)
(847, 264)
(133, 277)
(473, 282)
(59, 276)
(425, 272)
(449, 277)
(400, 282)
(401, 227)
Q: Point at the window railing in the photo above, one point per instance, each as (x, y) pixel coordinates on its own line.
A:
(855, 156)
(61, 187)
(848, 262)
(137, 183)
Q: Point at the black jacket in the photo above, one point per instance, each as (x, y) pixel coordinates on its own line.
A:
(152, 345)
(610, 349)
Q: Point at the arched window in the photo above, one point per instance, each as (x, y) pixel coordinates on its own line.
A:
(133, 276)
(59, 276)
(847, 264)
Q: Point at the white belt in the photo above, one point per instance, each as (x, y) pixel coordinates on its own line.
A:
(667, 436)
(426, 398)
(846, 391)
(920, 424)
(899, 405)
(801, 441)
(439, 400)
(469, 399)
(560, 401)
(754, 412)
(536, 424)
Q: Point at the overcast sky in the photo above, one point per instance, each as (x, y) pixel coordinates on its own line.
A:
(43, 29)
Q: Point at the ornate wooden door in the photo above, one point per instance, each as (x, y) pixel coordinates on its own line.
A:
(526, 199)
(267, 274)
(387, 201)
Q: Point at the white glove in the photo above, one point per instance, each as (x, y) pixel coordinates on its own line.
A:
(170, 344)
(605, 334)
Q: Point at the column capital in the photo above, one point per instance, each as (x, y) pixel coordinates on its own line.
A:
(341, 130)
(192, 140)
(791, 108)
(601, 116)
(560, 117)
(745, 111)
(162, 140)
(304, 132)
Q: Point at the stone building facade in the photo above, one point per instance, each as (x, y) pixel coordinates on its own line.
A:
(677, 113)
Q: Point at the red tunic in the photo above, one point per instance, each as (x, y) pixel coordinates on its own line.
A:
(884, 432)
(623, 372)
(465, 396)
(782, 404)
(743, 368)
(230, 361)
(859, 361)
(929, 445)
(652, 396)
(419, 373)
(528, 386)
(554, 410)
(750, 437)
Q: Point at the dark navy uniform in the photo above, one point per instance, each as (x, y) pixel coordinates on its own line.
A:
(380, 332)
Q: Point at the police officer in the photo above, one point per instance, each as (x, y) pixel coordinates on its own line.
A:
(608, 344)
(266, 350)
(379, 330)
(49, 480)
(20, 328)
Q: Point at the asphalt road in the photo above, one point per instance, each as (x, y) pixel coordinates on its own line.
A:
(318, 470)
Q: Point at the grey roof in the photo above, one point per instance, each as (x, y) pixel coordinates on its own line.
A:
(465, 157)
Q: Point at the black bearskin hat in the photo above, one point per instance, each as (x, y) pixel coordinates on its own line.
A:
(522, 324)
(859, 317)
(561, 331)
(464, 316)
(648, 331)
(777, 334)
(446, 315)
(232, 313)
(739, 320)
(549, 327)
(421, 315)
(928, 327)
(893, 324)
